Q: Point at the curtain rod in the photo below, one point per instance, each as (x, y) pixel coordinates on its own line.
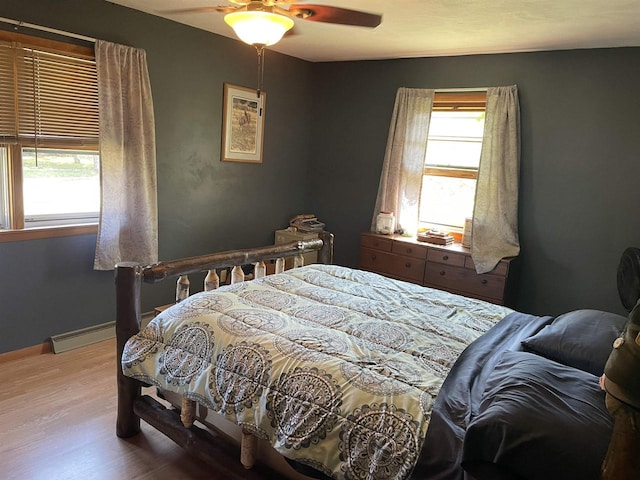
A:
(18, 23)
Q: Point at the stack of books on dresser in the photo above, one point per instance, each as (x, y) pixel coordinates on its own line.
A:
(433, 236)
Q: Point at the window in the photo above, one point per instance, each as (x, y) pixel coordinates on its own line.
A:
(49, 133)
(60, 186)
(452, 160)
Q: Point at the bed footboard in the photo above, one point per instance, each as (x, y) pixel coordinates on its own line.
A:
(128, 278)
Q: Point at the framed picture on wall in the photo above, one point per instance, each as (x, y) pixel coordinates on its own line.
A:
(242, 124)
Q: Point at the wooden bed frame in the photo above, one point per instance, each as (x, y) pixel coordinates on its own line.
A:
(132, 405)
(620, 461)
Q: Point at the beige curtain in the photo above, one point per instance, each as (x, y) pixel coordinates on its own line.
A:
(495, 216)
(402, 170)
(128, 220)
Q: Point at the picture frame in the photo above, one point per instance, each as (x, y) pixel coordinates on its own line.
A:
(242, 124)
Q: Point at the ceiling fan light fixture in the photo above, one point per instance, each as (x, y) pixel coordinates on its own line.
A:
(258, 27)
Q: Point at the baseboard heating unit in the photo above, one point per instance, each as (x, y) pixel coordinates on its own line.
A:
(86, 336)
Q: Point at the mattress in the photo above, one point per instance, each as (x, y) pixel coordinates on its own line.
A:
(336, 368)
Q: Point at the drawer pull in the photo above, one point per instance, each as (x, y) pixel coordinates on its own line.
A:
(442, 272)
(409, 250)
(445, 257)
(408, 265)
(373, 257)
(484, 281)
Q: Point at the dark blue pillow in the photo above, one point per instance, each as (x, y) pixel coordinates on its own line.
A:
(581, 339)
(538, 419)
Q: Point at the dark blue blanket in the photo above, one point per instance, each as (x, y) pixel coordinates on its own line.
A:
(504, 413)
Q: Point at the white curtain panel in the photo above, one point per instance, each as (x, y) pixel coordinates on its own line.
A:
(128, 228)
(401, 179)
(495, 216)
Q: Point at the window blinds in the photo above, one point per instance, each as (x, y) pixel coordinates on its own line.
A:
(47, 98)
(459, 101)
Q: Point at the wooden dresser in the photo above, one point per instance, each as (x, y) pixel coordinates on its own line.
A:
(449, 268)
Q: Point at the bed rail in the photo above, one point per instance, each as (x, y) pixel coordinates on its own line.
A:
(128, 279)
(184, 266)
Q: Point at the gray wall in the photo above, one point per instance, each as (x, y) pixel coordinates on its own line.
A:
(325, 136)
(48, 286)
(579, 171)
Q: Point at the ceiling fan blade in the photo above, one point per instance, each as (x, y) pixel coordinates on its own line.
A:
(342, 16)
(220, 8)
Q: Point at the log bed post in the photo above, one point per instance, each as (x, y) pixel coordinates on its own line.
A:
(326, 252)
(128, 278)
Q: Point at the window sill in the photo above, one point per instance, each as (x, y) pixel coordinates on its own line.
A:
(47, 232)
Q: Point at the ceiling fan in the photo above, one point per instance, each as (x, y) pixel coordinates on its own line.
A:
(277, 19)
(264, 22)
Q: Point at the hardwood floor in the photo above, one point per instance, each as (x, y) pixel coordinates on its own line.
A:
(57, 421)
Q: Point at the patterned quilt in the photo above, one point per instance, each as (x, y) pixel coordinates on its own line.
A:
(337, 368)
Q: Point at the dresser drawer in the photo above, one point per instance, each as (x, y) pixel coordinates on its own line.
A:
(449, 268)
(501, 268)
(377, 242)
(407, 268)
(445, 257)
(375, 260)
(465, 280)
(410, 250)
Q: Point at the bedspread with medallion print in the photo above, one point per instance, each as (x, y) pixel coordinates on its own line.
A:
(337, 368)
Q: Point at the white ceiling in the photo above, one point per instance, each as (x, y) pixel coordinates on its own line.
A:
(426, 28)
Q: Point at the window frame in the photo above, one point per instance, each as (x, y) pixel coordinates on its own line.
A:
(468, 101)
(17, 231)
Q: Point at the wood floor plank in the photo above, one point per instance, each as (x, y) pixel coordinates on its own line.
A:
(26, 352)
(57, 421)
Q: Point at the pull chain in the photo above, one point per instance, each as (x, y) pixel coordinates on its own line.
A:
(260, 50)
